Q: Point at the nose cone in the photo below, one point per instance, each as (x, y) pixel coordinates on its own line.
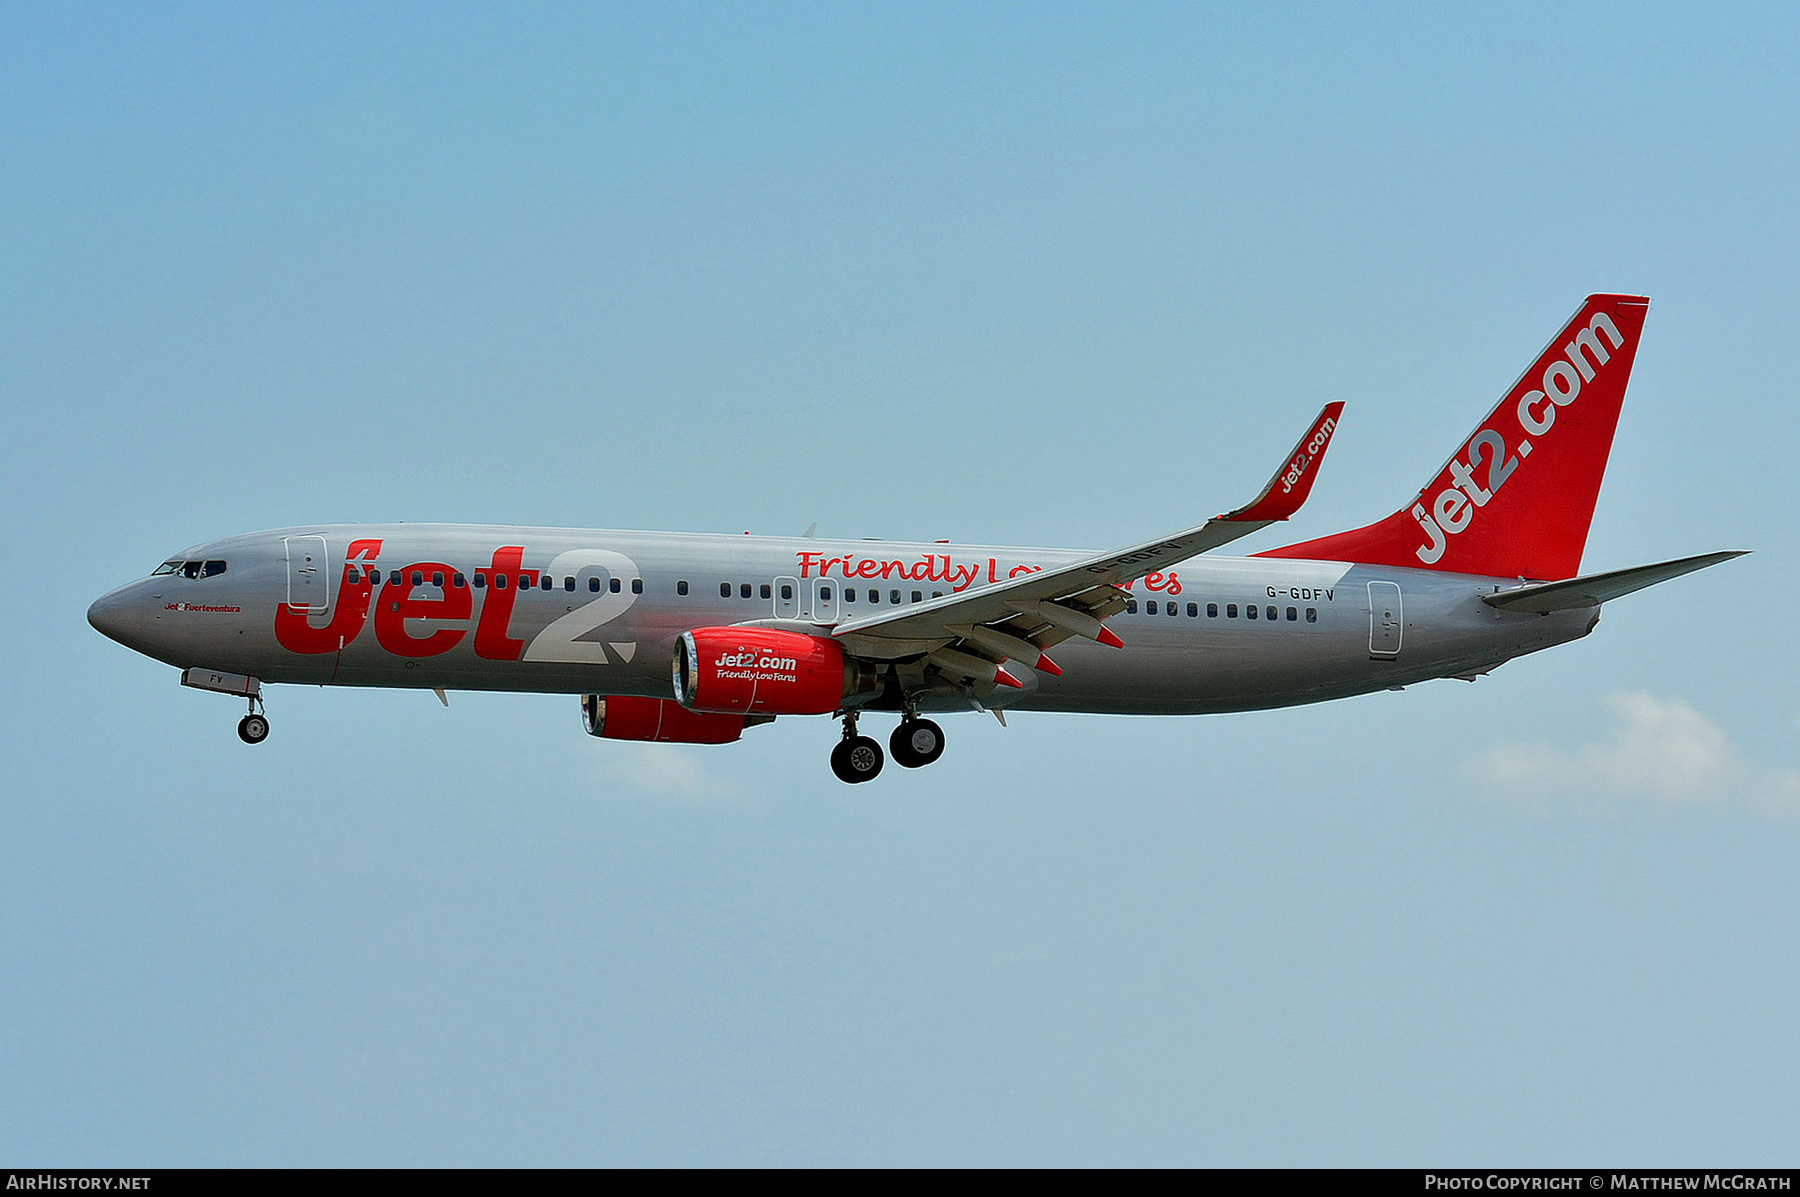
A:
(120, 616)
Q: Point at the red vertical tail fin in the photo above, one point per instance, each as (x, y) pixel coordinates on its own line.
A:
(1517, 498)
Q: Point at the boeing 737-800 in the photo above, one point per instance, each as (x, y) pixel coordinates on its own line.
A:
(694, 638)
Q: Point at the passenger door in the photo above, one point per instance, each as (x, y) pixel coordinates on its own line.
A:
(309, 589)
(1387, 622)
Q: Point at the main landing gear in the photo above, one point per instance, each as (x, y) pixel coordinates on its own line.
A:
(856, 758)
(915, 743)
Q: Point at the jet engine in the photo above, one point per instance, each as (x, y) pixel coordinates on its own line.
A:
(765, 671)
(628, 717)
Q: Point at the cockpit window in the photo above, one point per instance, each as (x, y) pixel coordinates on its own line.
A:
(188, 569)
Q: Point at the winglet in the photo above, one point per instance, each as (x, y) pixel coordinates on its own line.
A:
(1288, 489)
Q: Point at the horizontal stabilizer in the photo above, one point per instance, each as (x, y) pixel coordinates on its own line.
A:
(1595, 589)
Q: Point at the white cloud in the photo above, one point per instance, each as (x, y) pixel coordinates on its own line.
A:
(1660, 750)
(666, 770)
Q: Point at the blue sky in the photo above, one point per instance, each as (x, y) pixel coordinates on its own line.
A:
(1046, 274)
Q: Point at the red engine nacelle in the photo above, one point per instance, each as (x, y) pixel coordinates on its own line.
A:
(628, 717)
(763, 671)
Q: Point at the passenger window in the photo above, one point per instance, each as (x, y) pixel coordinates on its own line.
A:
(1250, 611)
(480, 580)
(437, 578)
(499, 581)
(569, 585)
(613, 585)
(765, 590)
(787, 592)
(1292, 615)
(524, 581)
(744, 590)
(1131, 606)
(1312, 615)
(1193, 610)
(894, 597)
(681, 588)
(937, 594)
(545, 581)
(824, 594)
(1212, 610)
(1230, 610)
(458, 581)
(212, 569)
(725, 590)
(849, 594)
(1270, 613)
(637, 585)
(918, 597)
(593, 585)
(1150, 607)
(1173, 610)
(418, 578)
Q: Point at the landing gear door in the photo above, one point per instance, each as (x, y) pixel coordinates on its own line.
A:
(1387, 621)
(787, 598)
(308, 587)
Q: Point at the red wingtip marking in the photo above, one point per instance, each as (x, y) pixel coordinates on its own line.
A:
(1108, 638)
(1288, 489)
(1046, 665)
(1003, 678)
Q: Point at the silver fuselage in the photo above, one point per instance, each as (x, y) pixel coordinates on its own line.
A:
(285, 609)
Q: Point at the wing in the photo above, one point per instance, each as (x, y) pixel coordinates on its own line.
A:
(968, 635)
(1591, 591)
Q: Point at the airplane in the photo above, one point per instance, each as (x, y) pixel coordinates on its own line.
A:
(694, 638)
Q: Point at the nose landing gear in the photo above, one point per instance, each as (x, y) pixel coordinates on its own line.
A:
(254, 727)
